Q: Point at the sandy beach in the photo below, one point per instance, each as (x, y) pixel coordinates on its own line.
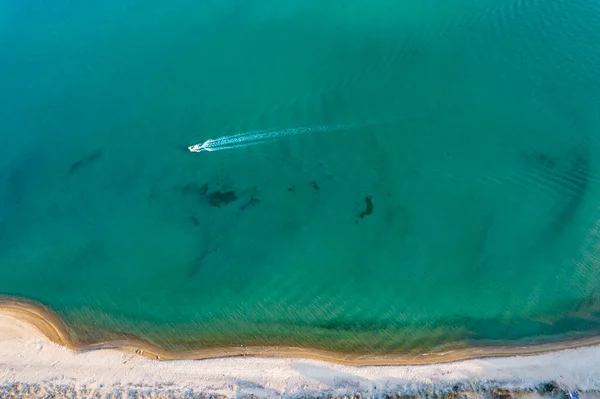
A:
(34, 353)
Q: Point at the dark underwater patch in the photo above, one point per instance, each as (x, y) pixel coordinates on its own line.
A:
(86, 161)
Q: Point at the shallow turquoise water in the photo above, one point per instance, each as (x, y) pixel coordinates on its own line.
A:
(473, 127)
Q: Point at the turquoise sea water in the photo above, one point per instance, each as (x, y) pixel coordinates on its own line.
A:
(458, 203)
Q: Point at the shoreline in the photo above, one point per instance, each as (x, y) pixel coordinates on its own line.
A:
(54, 329)
(31, 366)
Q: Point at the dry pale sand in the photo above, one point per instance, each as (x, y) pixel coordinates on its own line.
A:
(30, 356)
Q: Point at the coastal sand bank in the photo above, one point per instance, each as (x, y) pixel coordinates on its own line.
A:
(33, 350)
(49, 324)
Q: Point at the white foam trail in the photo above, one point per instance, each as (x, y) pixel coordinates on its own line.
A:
(246, 139)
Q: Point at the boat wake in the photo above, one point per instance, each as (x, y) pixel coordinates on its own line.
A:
(247, 139)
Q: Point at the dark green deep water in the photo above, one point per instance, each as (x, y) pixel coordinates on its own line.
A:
(473, 126)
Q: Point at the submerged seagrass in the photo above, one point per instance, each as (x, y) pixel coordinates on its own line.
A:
(457, 206)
